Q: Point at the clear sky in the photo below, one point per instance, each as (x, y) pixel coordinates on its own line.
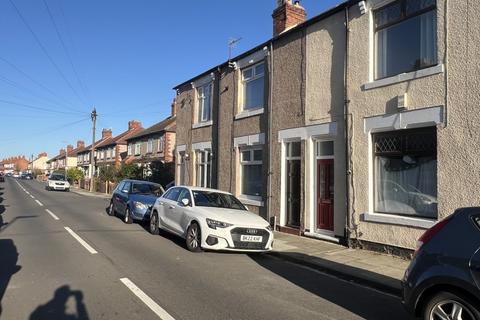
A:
(121, 56)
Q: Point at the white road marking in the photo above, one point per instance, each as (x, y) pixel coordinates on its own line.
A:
(32, 197)
(82, 242)
(27, 192)
(159, 311)
(39, 203)
(52, 214)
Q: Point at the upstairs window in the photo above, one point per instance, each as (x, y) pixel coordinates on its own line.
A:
(137, 148)
(253, 84)
(161, 143)
(129, 150)
(405, 37)
(150, 146)
(204, 96)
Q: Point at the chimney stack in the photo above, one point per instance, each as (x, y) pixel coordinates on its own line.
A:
(62, 152)
(174, 107)
(287, 15)
(134, 124)
(106, 133)
(69, 149)
(80, 144)
(43, 154)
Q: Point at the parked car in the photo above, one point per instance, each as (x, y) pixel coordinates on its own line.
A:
(2, 178)
(443, 279)
(26, 176)
(57, 181)
(210, 219)
(133, 199)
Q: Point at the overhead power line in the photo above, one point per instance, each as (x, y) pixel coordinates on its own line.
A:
(45, 51)
(81, 84)
(53, 93)
(33, 93)
(29, 106)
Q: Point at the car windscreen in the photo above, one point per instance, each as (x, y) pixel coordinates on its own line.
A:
(216, 200)
(147, 188)
(57, 177)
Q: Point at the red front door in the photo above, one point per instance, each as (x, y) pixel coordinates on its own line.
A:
(325, 194)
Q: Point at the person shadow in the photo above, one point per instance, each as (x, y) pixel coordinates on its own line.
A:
(56, 308)
(8, 264)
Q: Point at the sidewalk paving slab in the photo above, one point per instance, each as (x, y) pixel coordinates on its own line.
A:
(90, 194)
(379, 271)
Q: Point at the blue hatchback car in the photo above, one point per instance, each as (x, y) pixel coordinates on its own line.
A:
(133, 199)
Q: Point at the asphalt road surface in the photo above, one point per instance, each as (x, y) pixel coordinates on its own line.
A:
(63, 257)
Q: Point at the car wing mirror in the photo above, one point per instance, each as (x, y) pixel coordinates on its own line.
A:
(185, 202)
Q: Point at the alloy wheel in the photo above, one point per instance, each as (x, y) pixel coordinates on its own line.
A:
(450, 310)
(153, 223)
(193, 237)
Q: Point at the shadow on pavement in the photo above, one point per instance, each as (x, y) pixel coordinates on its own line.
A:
(8, 265)
(365, 302)
(56, 308)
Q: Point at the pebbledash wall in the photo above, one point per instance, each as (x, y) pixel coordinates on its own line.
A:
(321, 87)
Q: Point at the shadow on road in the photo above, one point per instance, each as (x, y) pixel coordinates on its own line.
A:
(56, 308)
(365, 302)
(8, 265)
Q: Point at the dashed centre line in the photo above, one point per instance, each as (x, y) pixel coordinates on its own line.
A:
(32, 197)
(39, 203)
(52, 214)
(159, 311)
(82, 242)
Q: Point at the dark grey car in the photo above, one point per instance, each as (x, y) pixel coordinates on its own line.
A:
(443, 279)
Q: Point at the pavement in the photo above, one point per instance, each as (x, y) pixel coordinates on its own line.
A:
(380, 271)
(63, 257)
(84, 192)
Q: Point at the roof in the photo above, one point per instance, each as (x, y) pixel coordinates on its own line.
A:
(167, 124)
(120, 139)
(302, 25)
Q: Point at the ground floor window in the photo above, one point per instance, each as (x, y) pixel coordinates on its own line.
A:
(251, 171)
(204, 168)
(405, 172)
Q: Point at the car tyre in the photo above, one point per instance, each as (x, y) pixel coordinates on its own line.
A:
(193, 238)
(153, 224)
(446, 302)
(127, 218)
(67, 190)
(111, 210)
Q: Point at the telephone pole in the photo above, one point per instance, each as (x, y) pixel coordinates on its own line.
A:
(92, 151)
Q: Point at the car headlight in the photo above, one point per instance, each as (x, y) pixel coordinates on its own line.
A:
(139, 205)
(214, 224)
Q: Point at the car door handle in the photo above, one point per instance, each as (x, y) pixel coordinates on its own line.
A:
(172, 207)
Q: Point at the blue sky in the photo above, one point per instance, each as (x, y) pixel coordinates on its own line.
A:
(123, 57)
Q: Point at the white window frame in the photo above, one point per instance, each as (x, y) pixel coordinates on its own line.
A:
(109, 153)
(150, 145)
(129, 149)
(113, 152)
(200, 91)
(208, 154)
(181, 167)
(138, 148)
(244, 86)
(257, 199)
(161, 144)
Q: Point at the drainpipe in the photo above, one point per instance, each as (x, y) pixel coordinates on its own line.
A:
(346, 130)
(270, 142)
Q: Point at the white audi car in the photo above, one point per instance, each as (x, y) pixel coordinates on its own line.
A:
(210, 219)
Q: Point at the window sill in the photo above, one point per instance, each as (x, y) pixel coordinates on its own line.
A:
(398, 220)
(251, 200)
(404, 77)
(202, 124)
(248, 113)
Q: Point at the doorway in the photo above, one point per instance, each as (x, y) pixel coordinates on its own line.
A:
(325, 186)
(293, 183)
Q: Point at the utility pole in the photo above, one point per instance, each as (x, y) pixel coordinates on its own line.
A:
(92, 151)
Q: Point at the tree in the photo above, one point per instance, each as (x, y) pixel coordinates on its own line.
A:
(109, 173)
(130, 171)
(162, 173)
(75, 174)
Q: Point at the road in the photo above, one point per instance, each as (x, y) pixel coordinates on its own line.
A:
(76, 262)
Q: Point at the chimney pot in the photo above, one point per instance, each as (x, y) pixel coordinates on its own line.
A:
(106, 133)
(133, 124)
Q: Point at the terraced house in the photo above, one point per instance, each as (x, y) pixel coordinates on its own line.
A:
(345, 126)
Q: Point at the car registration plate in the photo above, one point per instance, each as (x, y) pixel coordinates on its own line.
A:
(247, 238)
